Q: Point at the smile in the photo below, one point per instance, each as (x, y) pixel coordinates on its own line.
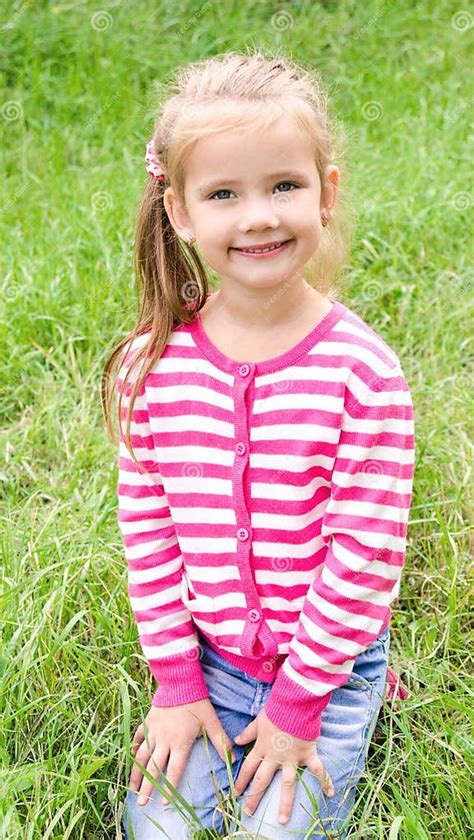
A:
(278, 247)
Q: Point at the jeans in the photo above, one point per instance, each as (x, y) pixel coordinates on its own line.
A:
(347, 722)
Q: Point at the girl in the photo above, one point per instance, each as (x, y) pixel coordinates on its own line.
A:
(265, 473)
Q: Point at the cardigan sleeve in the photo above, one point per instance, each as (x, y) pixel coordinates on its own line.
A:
(364, 529)
(155, 565)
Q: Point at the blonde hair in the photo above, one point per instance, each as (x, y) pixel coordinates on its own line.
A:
(229, 91)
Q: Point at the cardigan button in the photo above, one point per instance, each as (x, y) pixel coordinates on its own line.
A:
(254, 615)
(242, 534)
(240, 448)
(244, 370)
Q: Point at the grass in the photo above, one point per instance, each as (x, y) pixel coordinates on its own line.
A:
(78, 84)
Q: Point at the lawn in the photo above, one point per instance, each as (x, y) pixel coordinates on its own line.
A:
(79, 86)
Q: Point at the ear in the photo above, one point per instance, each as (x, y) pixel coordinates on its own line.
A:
(331, 187)
(177, 213)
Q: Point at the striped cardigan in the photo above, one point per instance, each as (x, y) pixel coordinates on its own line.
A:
(271, 514)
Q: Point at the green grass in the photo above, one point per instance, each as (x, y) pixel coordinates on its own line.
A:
(74, 683)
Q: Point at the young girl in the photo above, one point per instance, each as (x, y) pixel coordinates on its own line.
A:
(265, 473)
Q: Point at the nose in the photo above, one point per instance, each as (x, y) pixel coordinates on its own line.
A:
(258, 214)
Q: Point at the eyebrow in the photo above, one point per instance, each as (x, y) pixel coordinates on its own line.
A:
(203, 189)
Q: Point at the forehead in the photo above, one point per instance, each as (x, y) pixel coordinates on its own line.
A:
(247, 155)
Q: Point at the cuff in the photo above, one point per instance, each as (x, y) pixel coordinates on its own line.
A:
(294, 709)
(180, 679)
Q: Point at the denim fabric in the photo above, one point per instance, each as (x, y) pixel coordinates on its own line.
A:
(348, 722)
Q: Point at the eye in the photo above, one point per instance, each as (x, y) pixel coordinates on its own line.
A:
(282, 183)
(288, 184)
(218, 193)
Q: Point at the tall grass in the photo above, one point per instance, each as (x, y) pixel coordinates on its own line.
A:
(78, 87)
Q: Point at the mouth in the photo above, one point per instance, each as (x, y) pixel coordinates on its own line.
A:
(264, 250)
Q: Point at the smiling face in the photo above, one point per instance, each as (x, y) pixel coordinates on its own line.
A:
(247, 189)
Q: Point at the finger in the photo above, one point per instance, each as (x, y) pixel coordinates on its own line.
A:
(176, 766)
(211, 726)
(287, 794)
(143, 737)
(248, 734)
(247, 771)
(222, 742)
(261, 780)
(140, 760)
(156, 768)
(138, 739)
(322, 775)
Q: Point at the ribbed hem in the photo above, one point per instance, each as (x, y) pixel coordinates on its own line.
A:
(180, 680)
(220, 360)
(295, 710)
(264, 669)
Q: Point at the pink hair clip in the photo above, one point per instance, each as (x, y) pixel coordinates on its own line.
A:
(153, 164)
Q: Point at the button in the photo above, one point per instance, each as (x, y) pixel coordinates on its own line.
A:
(240, 448)
(242, 534)
(254, 615)
(244, 370)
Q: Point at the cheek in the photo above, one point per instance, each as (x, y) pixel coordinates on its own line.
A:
(302, 214)
(310, 230)
(213, 227)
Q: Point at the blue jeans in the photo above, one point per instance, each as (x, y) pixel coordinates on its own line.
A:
(348, 722)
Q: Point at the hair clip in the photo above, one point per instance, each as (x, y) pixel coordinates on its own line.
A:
(153, 165)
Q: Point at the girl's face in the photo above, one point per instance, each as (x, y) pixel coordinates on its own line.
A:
(249, 189)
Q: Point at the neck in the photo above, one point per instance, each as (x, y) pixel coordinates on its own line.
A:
(248, 308)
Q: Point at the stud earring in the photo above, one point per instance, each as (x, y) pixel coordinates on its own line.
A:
(190, 239)
(324, 219)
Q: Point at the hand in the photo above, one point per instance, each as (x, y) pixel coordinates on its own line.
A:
(171, 732)
(274, 747)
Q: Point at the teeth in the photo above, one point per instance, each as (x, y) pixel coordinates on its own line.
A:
(261, 250)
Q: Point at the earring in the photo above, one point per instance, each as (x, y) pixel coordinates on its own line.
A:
(190, 239)
(324, 219)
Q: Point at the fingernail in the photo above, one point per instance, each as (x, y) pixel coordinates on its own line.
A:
(282, 818)
(247, 812)
(164, 801)
(141, 800)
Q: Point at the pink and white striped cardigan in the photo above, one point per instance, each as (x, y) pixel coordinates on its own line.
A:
(273, 515)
